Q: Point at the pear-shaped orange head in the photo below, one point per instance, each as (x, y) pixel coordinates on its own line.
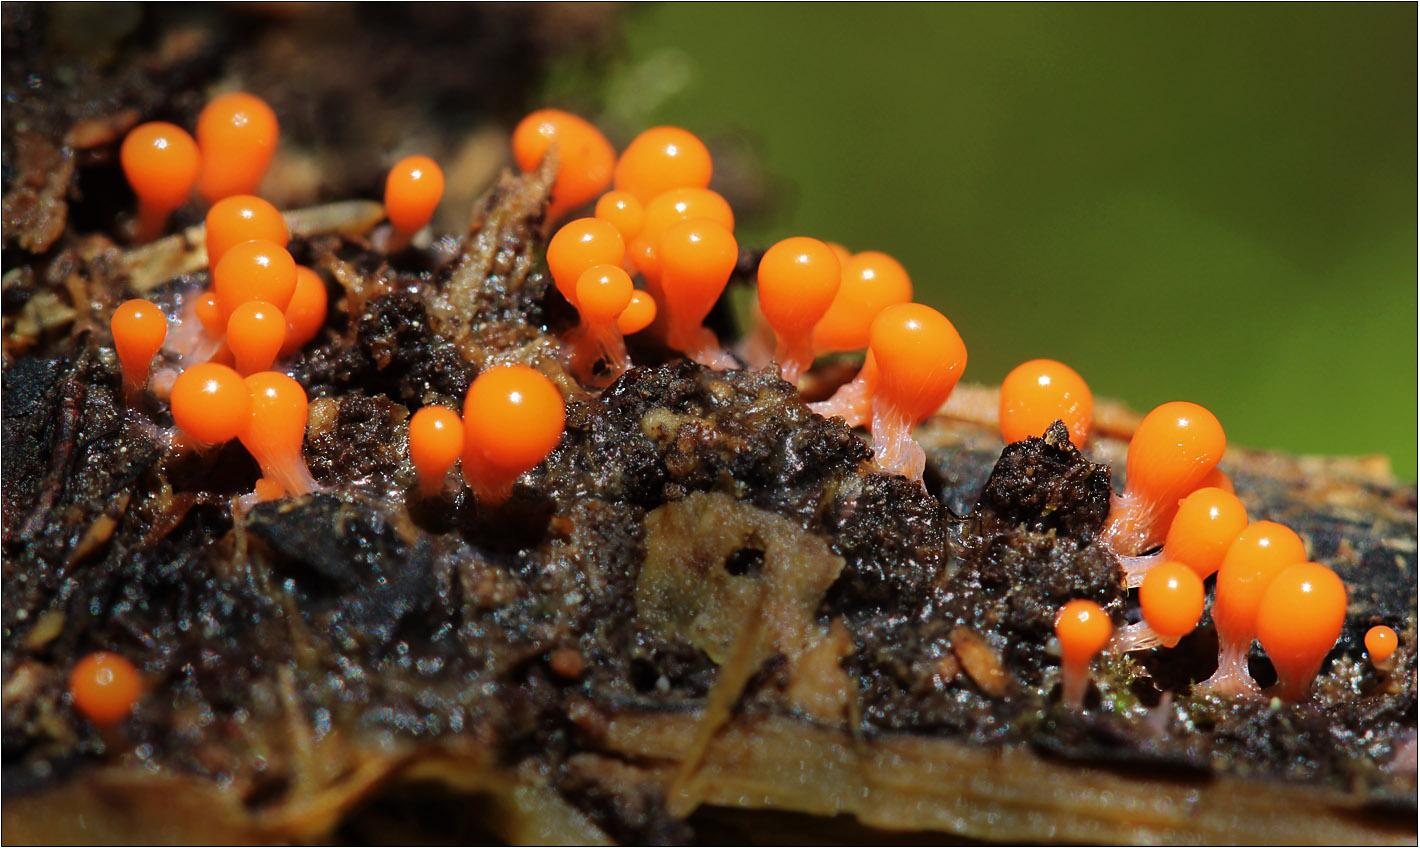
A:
(255, 333)
(1038, 393)
(1171, 600)
(436, 440)
(798, 280)
(241, 218)
(697, 258)
(919, 358)
(870, 282)
(1298, 620)
(1381, 643)
(139, 329)
(579, 245)
(1083, 629)
(624, 211)
(639, 313)
(305, 314)
(210, 403)
(161, 162)
(276, 429)
(1172, 451)
(513, 417)
(237, 134)
(104, 687)
(413, 189)
(256, 270)
(598, 350)
(1259, 554)
(661, 159)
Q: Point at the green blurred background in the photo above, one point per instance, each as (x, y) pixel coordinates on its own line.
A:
(1213, 203)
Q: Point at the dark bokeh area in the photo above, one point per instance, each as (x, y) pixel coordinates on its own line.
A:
(1211, 203)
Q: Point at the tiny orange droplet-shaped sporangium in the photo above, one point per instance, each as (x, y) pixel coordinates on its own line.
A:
(1381, 643)
(697, 258)
(255, 333)
(585, 157)
(1261, 552)
(241, 218)
(1173, 449)
(436, 439)
(1206, 525)
(660, 159)
(1037, 393)
(624, 212)
(161, 162)
(1083, 629)
(139, 329)
(798, 279)
(255, 270)
(105, 687)
(1171, 599)
(513, 417)
(275, 430)
(1298, 621)
(639, 313)
(870, 282)
(210, 403)
(412, 192)
(920, 357)
(237, 134)
(603, 293)
(578, 246)
(305, 314)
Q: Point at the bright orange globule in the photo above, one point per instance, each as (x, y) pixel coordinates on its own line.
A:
(413, 190)
(639, 313)
(798, 279)
(513, 417)
(603, 293)
(660, 159)
(1173, 450)
(1298, 621)
(436, 439)
(585, 157)
(241, 218)
(624, 211)
(1206, 525)
(919, 356)
(306, 312)
(578, 246)
(1381, 643)
(255, 270)
(1039, 392)
(1171, 599)
(237, 134)
(105, 687)
(275, 430)
(139, 329)
(1261, 552)
(210, 403)
(255, 333)
(869, 283)
(697, 258)
(161, 162)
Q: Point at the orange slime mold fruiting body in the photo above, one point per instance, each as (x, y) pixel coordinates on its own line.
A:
(436, 440)
(798, 280)
(697, 258)
(413, 190)
(624, 212)
(256, 270)
(1174, 448)
(255, 333)
(237, 134)
(918, 358)
(664, 210)
(305, 314)
(210, 403)
(661, 159)
(1298, 621)
(603, 294)
(275, 430)
(1037, 393)
(1083, 629)
(161, 162)
(869, 283)
(241, 218)
(585, 158)
(639, 313)
(578, 246)
(513, 417)
(1260, 553)
(139, 329)
(1381, 643)
(105, 687)
(1207, 523)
